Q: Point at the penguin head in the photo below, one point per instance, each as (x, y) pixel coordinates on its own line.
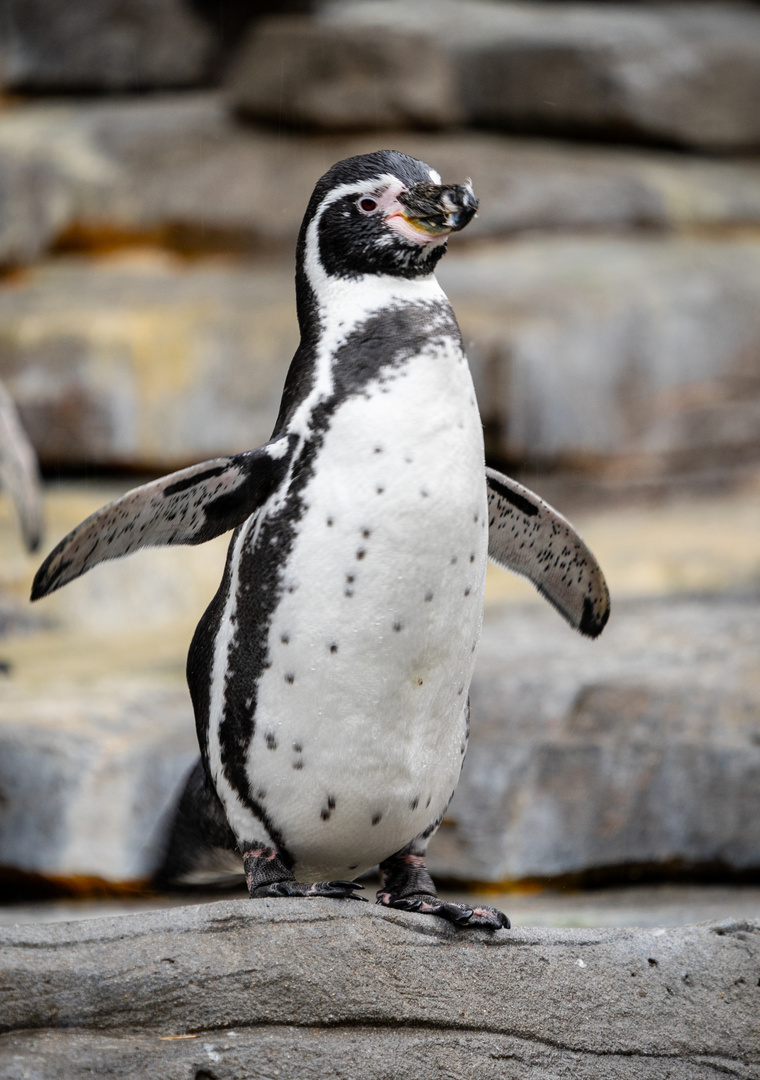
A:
(382, 213)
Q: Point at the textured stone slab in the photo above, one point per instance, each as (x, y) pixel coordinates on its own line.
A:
(147, 363)
(87, 775)
(179, 170)
(108, 45)
(639, 352)
(340, 77)
(686, 74)
(326, 989)
(585, 348)
(640, 749)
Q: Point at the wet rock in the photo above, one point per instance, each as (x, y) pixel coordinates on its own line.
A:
(640, 749)
(683, 74)
(108, 45)
(326, 988)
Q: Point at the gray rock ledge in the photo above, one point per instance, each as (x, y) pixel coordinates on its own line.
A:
(318, 988)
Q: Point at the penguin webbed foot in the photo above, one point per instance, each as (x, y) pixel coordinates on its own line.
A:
(406, 884)
(337, 890)
(267, 874)
(460, 914)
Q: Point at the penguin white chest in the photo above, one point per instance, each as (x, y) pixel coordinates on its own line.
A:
(360, 719)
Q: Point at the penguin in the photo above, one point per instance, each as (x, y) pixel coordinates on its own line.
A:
(330, 673)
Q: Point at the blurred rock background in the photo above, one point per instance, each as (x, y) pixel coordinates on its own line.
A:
(156, 157)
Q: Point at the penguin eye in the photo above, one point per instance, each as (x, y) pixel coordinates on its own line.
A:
(367, 204)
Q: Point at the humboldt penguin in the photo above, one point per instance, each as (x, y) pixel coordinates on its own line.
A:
(330, 673)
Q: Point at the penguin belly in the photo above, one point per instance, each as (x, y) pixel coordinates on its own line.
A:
(360, 719)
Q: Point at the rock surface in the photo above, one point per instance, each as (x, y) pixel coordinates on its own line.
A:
(147, 362)
(595, 348)
(342, 77)
(88, 775)
(318, 988)
(655, 724)
(687, 74)
(641, 749)
(108, 45)
(178, 170)
(639, 354)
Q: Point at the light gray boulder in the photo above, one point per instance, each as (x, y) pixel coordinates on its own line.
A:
(107, 45)
(320, 988)
(89, 773)
(640, 751)
(687, 74)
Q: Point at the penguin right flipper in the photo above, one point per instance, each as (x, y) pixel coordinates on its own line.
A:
(186, 507)
(529, 537)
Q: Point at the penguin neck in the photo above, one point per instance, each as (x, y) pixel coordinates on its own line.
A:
(330, 310)
(330, 307)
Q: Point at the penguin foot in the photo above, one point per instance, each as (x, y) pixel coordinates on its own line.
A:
(338, 890)
(460, 914)
(268, 873)
(405, 883)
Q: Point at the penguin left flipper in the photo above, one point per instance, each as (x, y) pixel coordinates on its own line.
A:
(529, 537)
(186, 507)
(19, 475)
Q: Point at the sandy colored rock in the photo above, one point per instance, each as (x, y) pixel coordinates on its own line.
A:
(637, 354)
(326, 989)
(145, 362)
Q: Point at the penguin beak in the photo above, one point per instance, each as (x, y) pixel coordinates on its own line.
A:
(437, 210)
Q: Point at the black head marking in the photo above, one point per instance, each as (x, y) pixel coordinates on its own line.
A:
(354, 237)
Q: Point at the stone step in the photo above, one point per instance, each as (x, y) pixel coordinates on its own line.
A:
(673, 73)
(655, 724)
(144, 361)
(309, 988)
(634, 354)
(640, 750)
(179, 170)
(639, 354)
